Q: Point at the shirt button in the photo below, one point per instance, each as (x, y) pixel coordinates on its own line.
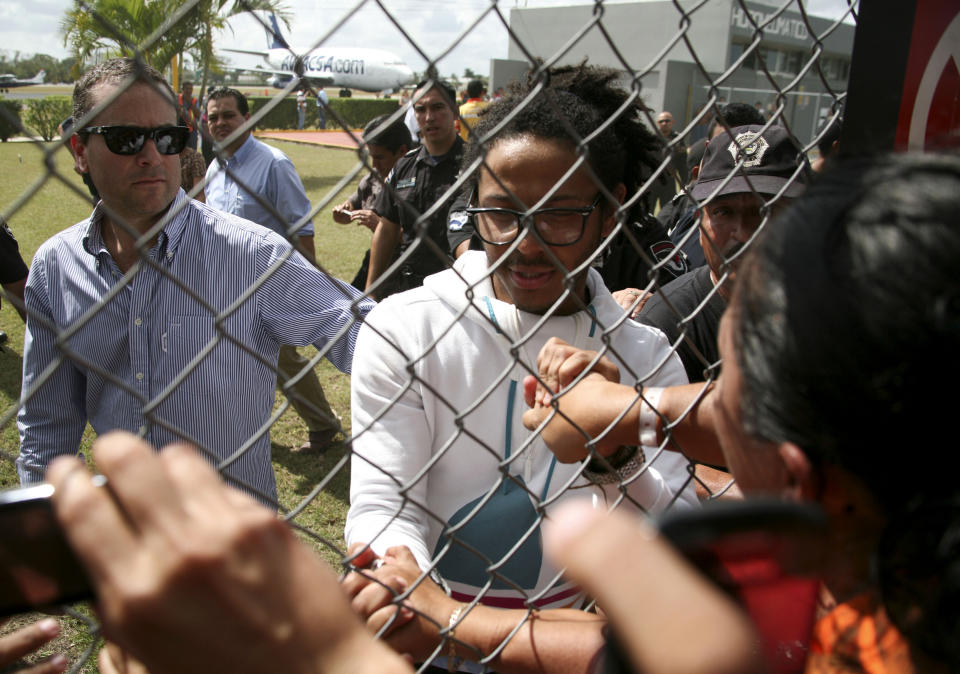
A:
(138, 321)
(143, 430)
(139, 376)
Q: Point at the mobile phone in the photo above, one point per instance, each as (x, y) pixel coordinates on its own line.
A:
(37, 566)
(766, 554)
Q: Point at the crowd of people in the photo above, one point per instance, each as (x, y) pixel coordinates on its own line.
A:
(503, 399)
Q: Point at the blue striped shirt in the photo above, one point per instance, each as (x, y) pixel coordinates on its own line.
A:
(185, 349)
(258, 169)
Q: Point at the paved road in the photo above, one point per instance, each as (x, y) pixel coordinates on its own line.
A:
(24, 93)
(324, 138)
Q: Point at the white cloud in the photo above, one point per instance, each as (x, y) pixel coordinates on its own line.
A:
(33, 26)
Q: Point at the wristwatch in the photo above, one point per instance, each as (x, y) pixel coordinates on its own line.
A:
(617, 467)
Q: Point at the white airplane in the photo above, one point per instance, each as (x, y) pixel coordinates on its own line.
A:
(344, 67)
(8, 81)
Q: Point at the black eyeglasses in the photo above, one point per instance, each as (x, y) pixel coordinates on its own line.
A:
(130, 139)
(555, 226)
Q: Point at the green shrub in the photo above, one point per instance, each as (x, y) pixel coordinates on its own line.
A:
(44, 115)
(10, 124)
(355, 112)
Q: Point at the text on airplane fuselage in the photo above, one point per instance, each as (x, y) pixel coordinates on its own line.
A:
(327, 64)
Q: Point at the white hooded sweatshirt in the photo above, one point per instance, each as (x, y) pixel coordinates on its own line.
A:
(437, 401)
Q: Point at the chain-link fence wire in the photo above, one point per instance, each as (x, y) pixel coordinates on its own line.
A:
(467, 496)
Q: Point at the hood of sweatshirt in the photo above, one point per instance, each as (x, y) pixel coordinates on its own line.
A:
(468, 290)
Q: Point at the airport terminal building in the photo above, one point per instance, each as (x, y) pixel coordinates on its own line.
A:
(719, 32)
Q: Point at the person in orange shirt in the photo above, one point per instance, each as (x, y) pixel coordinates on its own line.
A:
(188, 112)
(471, 108)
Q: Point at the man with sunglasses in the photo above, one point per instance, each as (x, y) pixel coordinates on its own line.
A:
(158, 314)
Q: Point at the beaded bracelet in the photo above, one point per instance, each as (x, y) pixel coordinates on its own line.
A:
(451, 645)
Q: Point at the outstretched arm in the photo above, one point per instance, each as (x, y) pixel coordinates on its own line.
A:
(53, 413)
(593, 405)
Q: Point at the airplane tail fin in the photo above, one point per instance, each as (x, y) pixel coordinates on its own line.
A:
(40, 77)
(274, 36)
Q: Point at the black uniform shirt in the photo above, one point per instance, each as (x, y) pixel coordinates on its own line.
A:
(419, 181)
(685, 295)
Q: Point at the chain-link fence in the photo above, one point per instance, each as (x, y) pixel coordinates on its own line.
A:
(170, 322)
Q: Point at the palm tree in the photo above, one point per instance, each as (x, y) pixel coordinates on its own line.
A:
(157, 30)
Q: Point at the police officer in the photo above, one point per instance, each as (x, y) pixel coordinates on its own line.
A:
(416, 184)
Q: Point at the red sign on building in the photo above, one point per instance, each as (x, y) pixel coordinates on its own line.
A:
(930, 105)
(904, 91)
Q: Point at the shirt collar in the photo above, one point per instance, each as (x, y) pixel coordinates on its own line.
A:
(241, 154)
(424, 156)
(167, 241)
(172, 234)
(93, 239)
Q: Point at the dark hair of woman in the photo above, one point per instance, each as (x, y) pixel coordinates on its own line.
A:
(846, 330)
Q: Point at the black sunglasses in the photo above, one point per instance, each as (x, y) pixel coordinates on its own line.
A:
(130, 139)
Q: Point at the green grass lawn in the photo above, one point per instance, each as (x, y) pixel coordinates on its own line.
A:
(38, 202)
